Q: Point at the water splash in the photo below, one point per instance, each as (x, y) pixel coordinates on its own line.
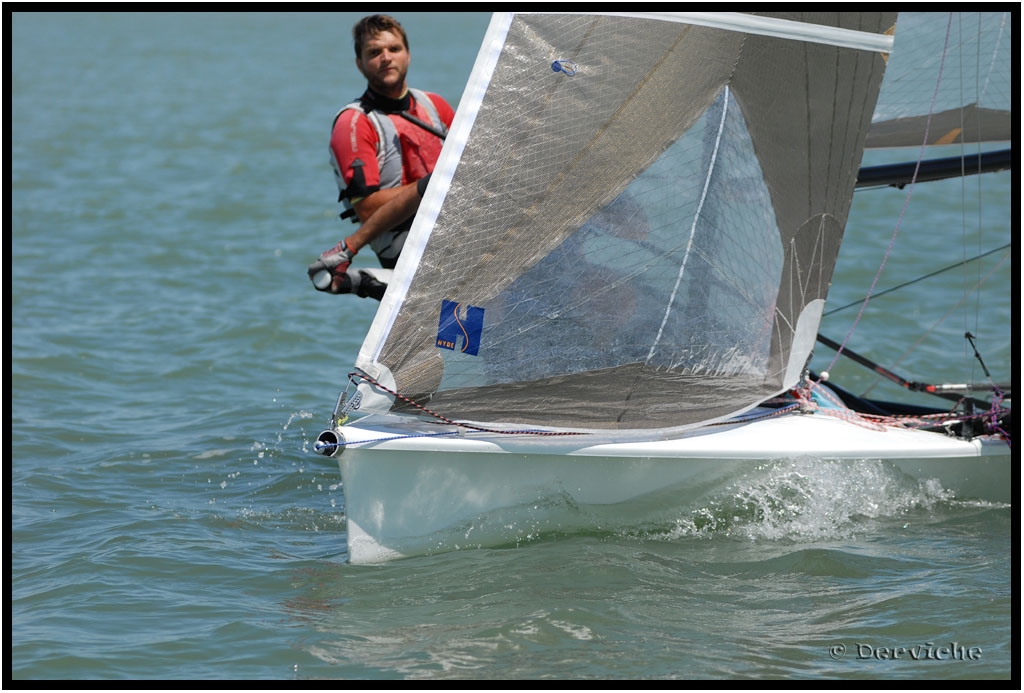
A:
(809, 500)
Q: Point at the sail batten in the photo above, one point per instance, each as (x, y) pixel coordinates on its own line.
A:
(634, 222)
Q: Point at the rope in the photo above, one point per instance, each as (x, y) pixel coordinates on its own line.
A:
(993, 422)
(906, 203)
(805, 402)
(879, 422)
(462, 424)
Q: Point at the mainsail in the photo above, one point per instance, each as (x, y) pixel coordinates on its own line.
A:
(969, 55)
(634, 222)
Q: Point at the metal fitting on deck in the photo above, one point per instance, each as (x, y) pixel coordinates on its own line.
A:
(329, 443)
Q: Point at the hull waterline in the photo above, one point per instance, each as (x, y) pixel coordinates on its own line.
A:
(408, 494)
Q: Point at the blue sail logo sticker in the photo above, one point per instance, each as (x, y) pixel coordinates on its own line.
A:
(458, 322)
(566, 67)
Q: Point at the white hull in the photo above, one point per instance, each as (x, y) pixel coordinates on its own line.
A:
(414, 495)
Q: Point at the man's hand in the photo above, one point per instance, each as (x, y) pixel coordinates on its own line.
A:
(329, 270)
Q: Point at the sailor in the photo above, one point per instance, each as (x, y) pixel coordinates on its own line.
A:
(381, 145)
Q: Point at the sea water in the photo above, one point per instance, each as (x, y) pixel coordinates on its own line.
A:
(171, 366)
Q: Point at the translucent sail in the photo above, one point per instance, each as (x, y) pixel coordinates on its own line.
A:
(969, 55)
(634, 222)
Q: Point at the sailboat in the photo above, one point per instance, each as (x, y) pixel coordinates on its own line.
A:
(613, 286)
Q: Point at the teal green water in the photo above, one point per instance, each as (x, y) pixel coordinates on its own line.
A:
(171, 367)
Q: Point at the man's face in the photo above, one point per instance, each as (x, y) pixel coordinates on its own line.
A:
(384, 62)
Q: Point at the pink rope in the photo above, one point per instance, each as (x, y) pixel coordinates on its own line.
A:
(906, 203)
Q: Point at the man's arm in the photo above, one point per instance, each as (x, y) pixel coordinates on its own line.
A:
(326, 273)
(401, 203)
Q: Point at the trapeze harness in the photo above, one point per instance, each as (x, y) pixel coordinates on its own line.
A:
(388, 245)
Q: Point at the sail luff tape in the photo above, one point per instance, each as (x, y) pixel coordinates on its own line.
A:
(767, 26)
(430, 205)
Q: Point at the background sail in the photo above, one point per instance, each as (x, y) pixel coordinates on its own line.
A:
(641, 228)
(970, 56)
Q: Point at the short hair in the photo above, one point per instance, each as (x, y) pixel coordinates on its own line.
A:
(374, 24)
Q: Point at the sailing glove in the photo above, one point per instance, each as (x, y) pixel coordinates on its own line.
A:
(330, 267)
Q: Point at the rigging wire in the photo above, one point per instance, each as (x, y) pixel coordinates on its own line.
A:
(966, 276)
(921, 278)
(967, 293)
(906, 203)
